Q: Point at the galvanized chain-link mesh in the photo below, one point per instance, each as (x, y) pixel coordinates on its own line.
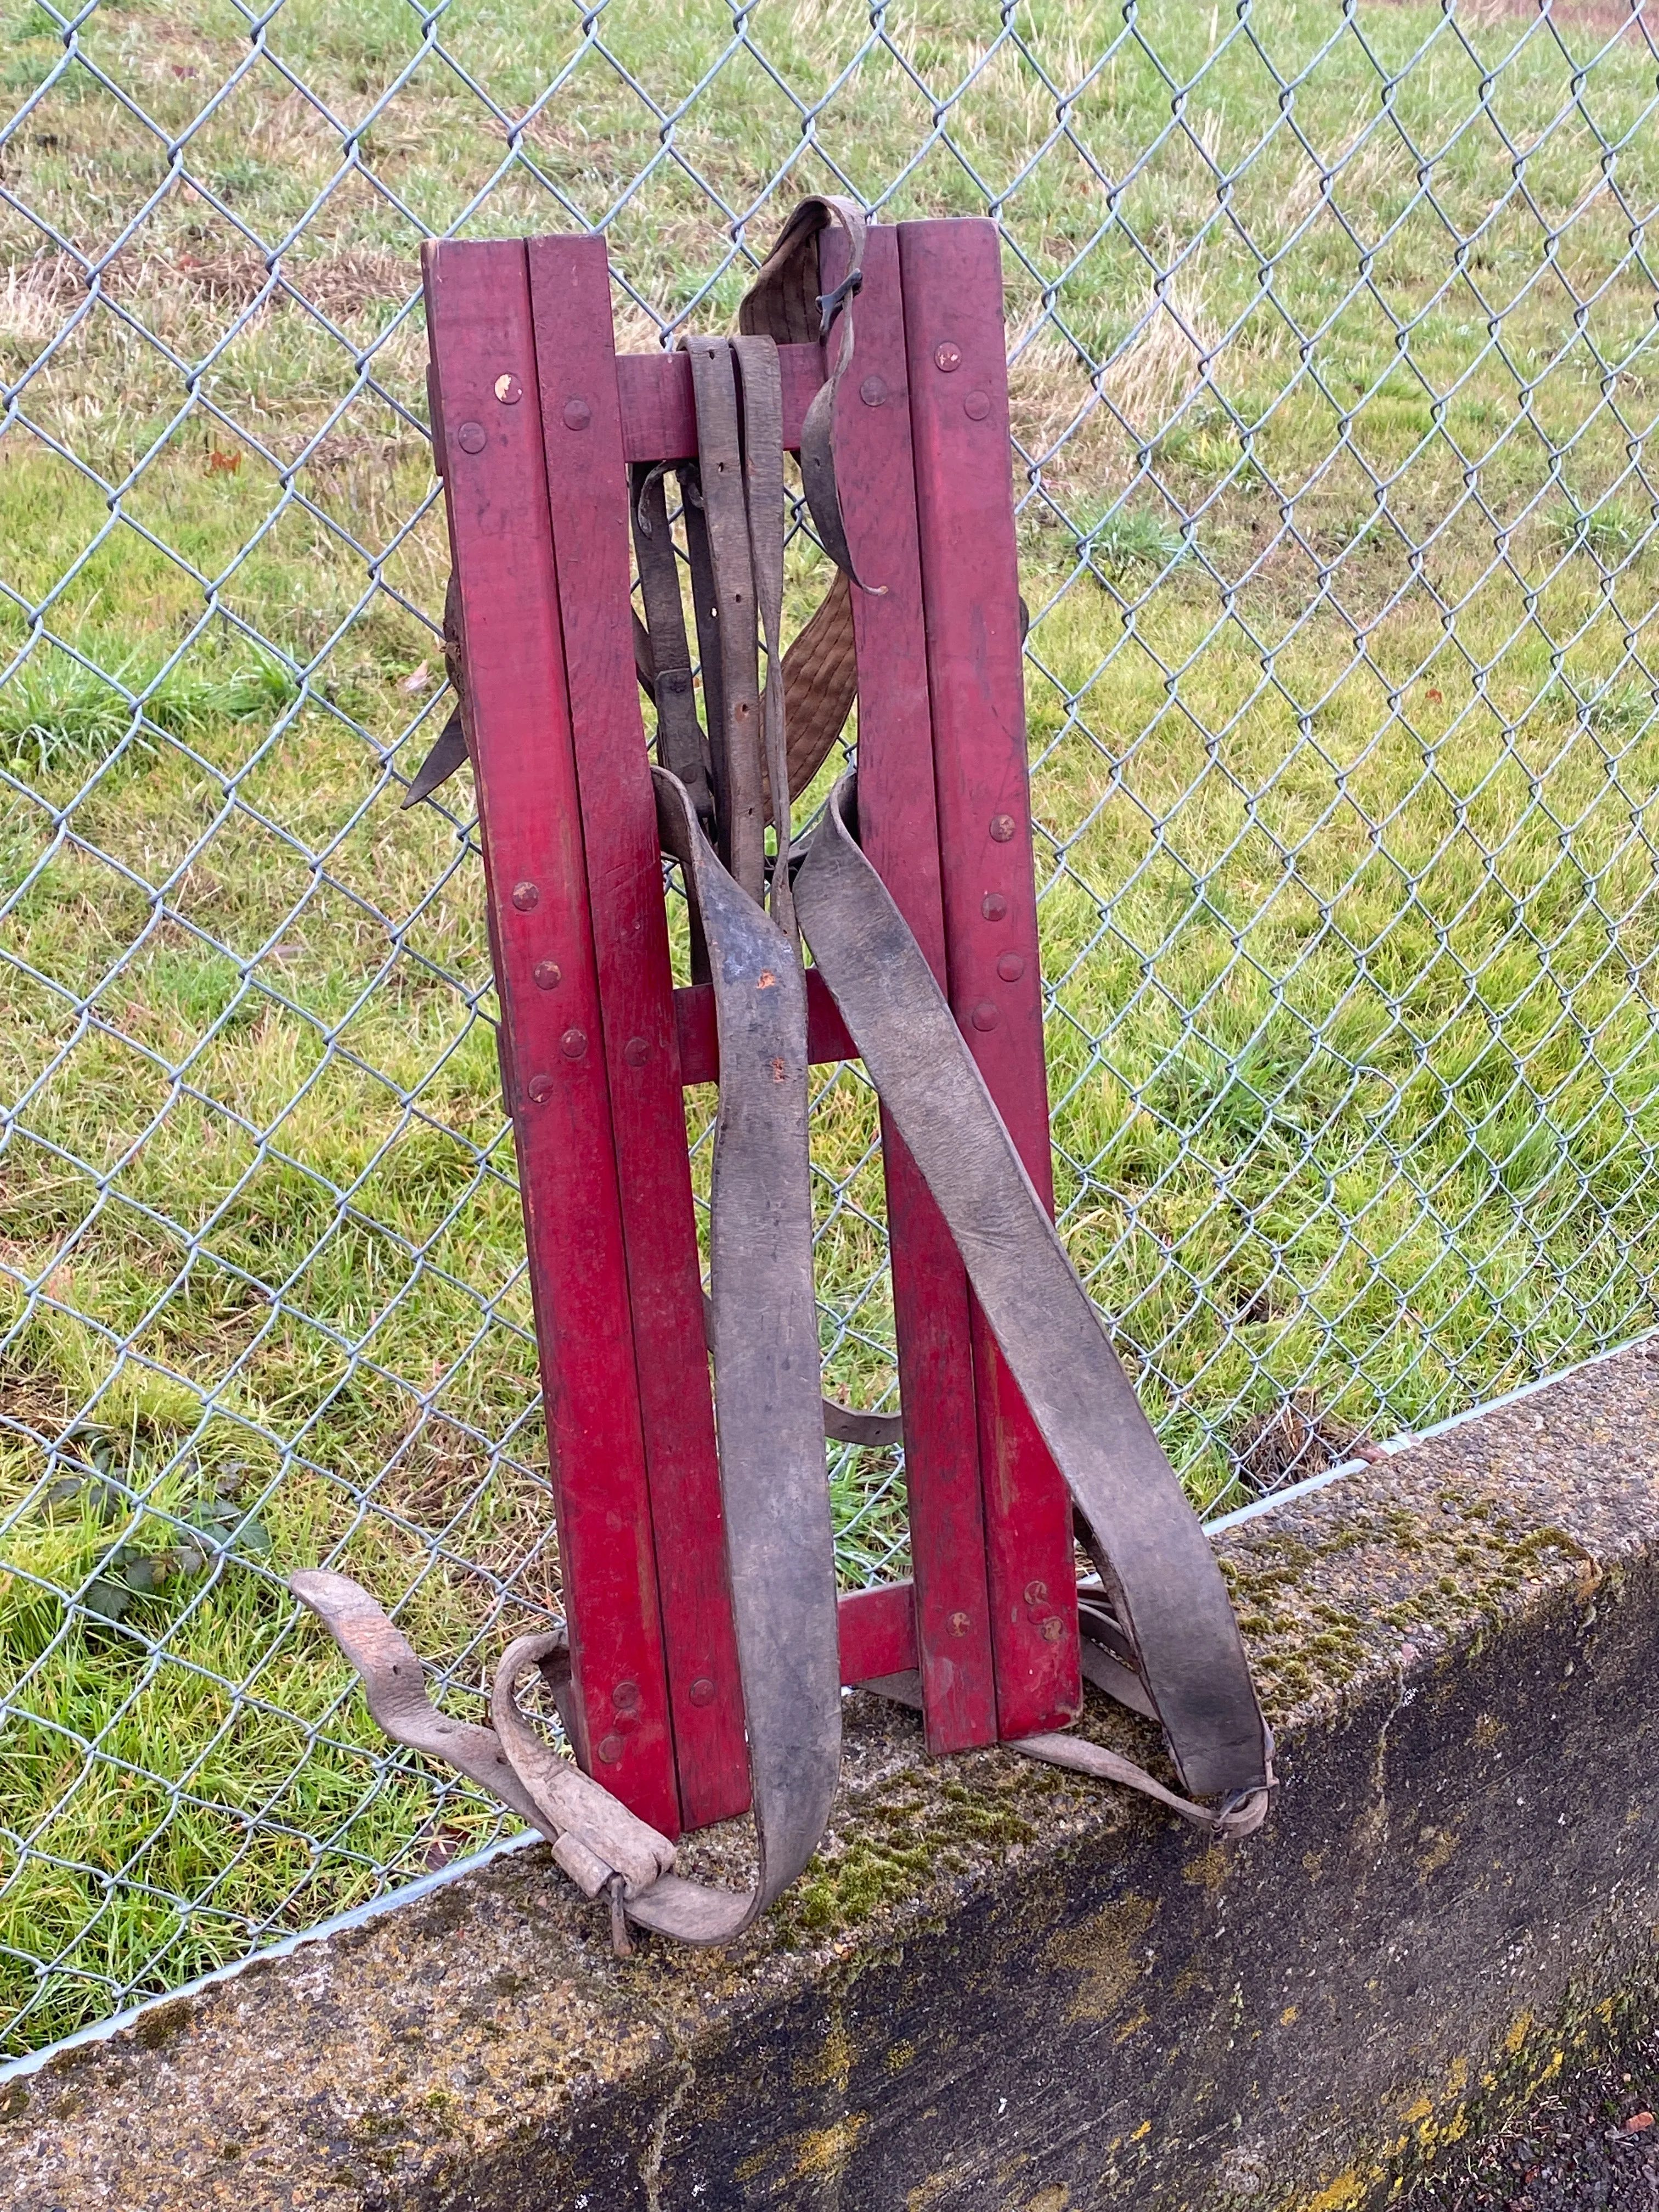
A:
(1333, 361)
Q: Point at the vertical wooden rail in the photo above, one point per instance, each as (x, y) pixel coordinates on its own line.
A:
(479, 311)
(587, 497)
(958, 389)
(899, 831)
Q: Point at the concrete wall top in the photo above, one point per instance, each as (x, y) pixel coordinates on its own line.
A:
(1001, 1986)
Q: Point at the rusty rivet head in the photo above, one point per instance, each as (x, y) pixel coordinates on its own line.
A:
(636, 1052)
(573, 1043)
(470, 438)
(959, 1623)
(525, 895)
(626, 1697)
(1053, 1629)
(874, 391)
(540, 1087)
(976, 406)
(548, 974)
(509, 391)
(1036, 1592)
(984, 1015)
(610, 1749)
(993, 906)
(702, 1692)
(1002, 828)
(577, 415)
(947, 357)
(1011, 967)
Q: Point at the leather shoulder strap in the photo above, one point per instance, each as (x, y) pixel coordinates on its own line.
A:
(1166, 1588)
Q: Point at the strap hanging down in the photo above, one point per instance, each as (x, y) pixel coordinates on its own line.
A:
(780, 1545)
(681, 747)
(1166, 1590)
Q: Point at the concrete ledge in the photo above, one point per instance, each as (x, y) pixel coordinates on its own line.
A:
(1000, 1988)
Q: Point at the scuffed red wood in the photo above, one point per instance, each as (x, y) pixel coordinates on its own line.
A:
(659, 419)
(587, 495)
(899, 832)
(478, 299)
(877, 1633)
(827, 1037)
(957, 376)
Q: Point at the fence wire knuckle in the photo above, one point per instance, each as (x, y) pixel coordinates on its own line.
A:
(1332, 353)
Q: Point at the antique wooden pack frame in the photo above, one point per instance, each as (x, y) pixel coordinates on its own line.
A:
(537, 422)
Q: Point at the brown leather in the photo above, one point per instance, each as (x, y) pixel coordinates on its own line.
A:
(734, 732)
(1164, 1589)
(820, 668)
(449, 750)
(820, 685)
(661, 648)
(777, 303)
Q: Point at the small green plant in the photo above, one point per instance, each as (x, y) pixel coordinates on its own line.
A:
(1129, 538)
(160, 1548)
(54, 712)
(1611, 530)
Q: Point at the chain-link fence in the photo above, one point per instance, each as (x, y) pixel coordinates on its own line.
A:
(1332, 333)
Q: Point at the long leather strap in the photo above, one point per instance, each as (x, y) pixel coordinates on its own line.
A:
(734, 733)
(1156, 1561)
(681, 748)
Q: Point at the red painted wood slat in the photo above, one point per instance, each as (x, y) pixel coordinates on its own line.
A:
(478, 299)
(877, 1633)
(958, 377)
(827, 1039)
(659, 419)
(899, 831)
(587, 497)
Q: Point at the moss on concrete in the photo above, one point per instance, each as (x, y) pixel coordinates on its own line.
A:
(999, 1986)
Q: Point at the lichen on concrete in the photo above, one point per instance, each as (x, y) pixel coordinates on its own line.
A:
(1000, 1986)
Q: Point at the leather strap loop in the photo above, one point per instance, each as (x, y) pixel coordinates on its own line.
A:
(785, 301)
(681, 747)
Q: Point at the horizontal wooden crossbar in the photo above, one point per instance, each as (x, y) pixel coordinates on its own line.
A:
(827, 1038)
(877, 1633)
(659, 419)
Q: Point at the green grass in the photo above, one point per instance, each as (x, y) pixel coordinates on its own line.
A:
(1344, 756)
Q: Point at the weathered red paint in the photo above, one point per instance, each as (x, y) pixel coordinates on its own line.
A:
(877, 1633)
(593, 1067)
(827, 1040)
(958, 383)
(898, 828)
(587, 497)
(553, 1058)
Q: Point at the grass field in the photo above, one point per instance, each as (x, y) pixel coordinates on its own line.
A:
(1332, 413)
